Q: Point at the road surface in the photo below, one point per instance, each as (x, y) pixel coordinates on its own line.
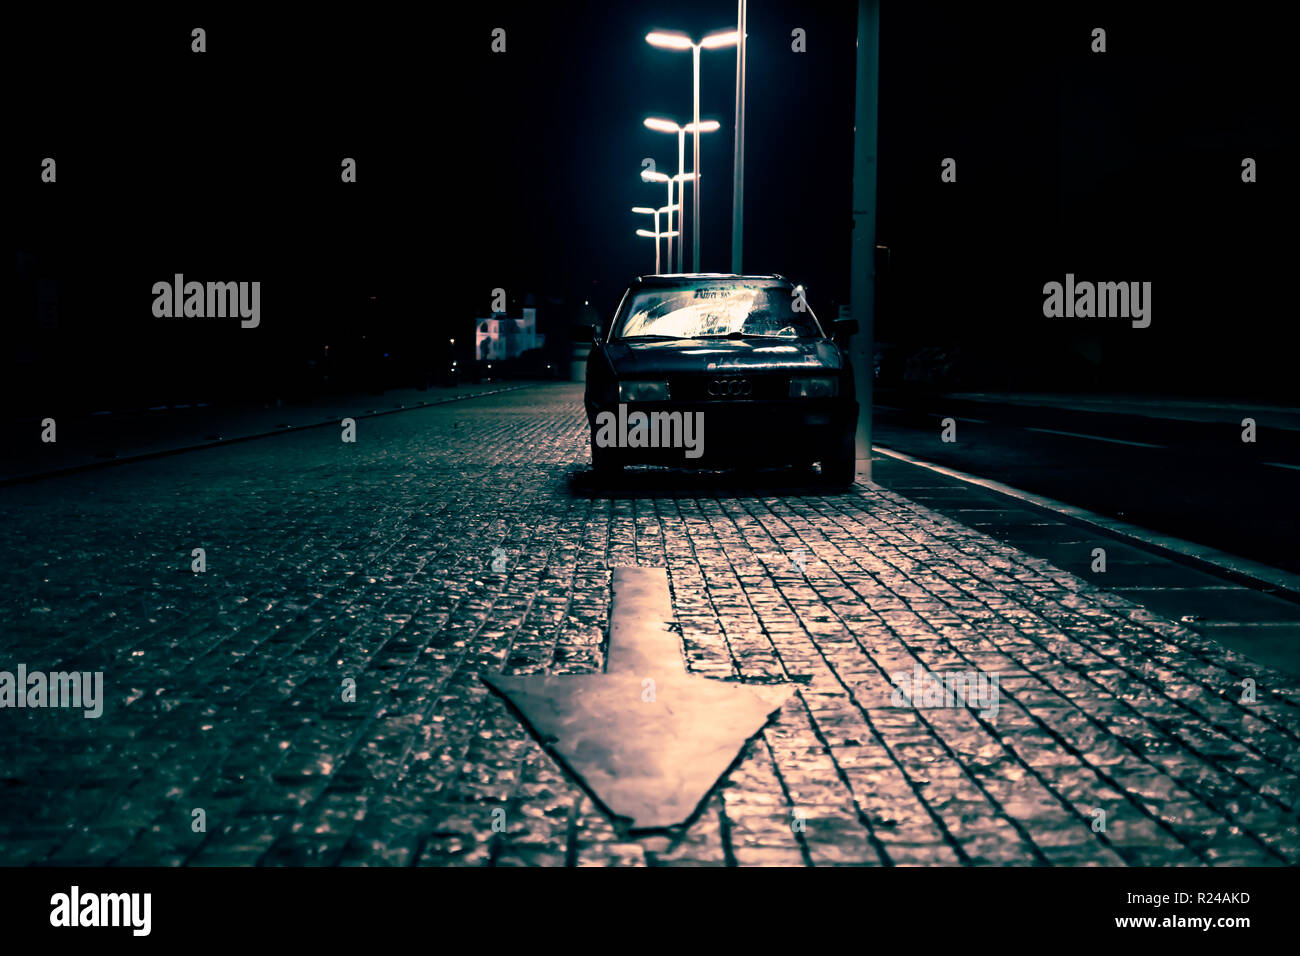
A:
(465, 539)
(1180, 468)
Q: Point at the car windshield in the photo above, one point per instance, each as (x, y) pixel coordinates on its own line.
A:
(715, 309)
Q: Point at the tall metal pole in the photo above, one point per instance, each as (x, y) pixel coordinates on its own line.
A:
(863, 278)
(670, 223)
(695, 161)
(738, 179)
(681, 196)
(657, 241)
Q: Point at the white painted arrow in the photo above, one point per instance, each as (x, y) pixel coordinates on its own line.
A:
(646, 739)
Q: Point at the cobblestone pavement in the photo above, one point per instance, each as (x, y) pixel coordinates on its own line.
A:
(374, 562)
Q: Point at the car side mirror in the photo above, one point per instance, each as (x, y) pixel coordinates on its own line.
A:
(843, 328)
(595, 335)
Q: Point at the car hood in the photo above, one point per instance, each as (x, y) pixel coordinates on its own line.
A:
(676, 356)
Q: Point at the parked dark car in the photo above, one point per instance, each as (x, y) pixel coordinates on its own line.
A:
(712, 371)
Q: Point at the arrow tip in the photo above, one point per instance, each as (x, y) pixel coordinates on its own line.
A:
(647, 750)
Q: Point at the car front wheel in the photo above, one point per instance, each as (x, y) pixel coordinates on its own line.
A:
(839, 470)
(603, 462)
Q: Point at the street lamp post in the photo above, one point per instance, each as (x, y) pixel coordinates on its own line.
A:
(862, 286)
(668, 126)
(681, 197)
(680, 41)
(657, 234)
(654, 176)
(738, 178)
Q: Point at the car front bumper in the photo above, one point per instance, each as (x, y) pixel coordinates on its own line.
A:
(757, 432)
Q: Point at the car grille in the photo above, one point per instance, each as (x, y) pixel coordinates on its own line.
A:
(725, 387)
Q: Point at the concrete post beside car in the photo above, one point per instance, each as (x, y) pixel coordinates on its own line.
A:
(863, 279)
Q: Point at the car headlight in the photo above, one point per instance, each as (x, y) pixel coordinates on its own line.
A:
(814, 387)
(642, 391)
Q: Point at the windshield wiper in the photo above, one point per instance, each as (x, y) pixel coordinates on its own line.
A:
(745, 335)
(725, 335)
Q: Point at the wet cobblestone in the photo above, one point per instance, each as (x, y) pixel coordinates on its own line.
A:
(467, 539)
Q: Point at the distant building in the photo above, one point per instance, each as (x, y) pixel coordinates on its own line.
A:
(500, 338)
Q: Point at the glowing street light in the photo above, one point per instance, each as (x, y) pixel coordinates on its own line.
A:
(668, 126)
(657, 234)
(654, 176)
(680, 41)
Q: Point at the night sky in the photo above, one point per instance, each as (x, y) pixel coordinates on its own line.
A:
(518, 170)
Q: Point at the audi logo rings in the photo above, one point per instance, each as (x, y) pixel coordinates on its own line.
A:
(730, 387)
